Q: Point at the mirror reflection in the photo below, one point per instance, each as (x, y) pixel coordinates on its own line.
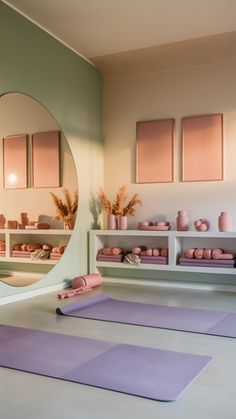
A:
(37, 177)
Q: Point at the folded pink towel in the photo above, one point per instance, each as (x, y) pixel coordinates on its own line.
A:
(189, 253)
(198, 254)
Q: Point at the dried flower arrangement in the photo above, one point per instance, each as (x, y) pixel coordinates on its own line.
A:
(67, 209)
(119, 207)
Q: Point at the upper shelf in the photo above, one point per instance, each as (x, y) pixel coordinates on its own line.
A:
(39, 231)
(169, 233)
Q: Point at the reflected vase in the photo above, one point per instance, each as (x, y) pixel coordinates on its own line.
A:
(69, 223)
(2, 221)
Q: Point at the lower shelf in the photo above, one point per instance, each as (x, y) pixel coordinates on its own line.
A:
(28, 260)
(176, 268)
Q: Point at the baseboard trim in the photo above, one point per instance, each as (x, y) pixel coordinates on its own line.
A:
(32, 293)
(172, 284)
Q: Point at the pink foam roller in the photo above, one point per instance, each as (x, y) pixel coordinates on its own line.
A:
(149, 252)
(198, 254)
(91, 280)
(107, 251)
(164, 251)
(138, 249)
(156, 252)
(189, 253)
(116, 250)
(78, 282)
(224, 256)
(216, 252)
(207, 254)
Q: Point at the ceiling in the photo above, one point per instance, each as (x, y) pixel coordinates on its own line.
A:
(114, 33)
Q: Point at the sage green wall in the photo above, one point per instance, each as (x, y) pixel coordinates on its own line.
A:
(34, 63)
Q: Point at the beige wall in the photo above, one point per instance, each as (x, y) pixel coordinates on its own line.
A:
(20, 114)
(193, 91)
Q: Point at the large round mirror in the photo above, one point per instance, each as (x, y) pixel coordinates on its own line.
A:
(37, 181)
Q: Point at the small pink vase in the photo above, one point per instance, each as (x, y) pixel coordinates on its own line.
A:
(122, 222)
(111, 222)
(225, 222)
(182, 221)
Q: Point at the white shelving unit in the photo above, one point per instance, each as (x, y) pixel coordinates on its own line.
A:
(176, 241)
(14, 236)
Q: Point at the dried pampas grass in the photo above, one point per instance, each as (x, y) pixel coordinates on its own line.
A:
(66, 209)
(119, 207)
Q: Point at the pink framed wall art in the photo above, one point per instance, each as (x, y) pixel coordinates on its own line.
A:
(154, 151)
(46, 159)
(15, 161)
(202, 148)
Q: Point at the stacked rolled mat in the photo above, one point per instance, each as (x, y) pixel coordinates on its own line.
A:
(208, 258)
(37, 251)
(2, 248)
(144, 254)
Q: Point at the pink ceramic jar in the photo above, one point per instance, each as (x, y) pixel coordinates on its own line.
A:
(182, 221)
(225, 221)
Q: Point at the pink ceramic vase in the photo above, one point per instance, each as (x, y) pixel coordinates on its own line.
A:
(122, 222)
(111, 222)
(182, 221)
(225, 221)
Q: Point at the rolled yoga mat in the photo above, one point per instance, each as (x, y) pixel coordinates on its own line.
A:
(140, 371)
(102, 307)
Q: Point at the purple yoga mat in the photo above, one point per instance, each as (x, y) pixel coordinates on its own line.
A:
(220, 263)
(140, 371)
(103, 307)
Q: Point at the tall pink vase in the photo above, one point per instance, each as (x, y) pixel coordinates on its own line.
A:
(122, 222)
(225, 221)
(111, 222)
(182, 221)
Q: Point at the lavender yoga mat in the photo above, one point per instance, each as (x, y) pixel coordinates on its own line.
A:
(140, 371)
(103, 307)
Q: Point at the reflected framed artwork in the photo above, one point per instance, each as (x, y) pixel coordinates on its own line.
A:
(154, 151)
(15, 161)
(202, 148)
(46, 159)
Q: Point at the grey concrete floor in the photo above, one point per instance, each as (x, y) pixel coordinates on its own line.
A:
(211, 395)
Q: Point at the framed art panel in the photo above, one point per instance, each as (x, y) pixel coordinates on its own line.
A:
(15, 161)
(154, 151)
(46, 159)
(202, 148)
